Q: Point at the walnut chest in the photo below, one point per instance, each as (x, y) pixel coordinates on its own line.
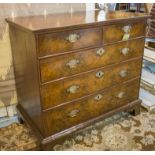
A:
(73, 69)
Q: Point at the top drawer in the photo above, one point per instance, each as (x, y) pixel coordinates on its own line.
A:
(123, 32)
(54, 43)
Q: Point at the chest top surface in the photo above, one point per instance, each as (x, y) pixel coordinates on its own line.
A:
(61, 20)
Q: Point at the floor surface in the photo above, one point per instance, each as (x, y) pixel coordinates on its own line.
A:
(119, 132)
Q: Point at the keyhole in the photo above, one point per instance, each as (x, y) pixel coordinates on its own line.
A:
(99, 74)
(98, 97)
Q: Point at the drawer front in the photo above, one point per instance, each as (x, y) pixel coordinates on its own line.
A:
(61, 91)
(66, 65)
(123, 32)
(67, 116)
(55, 43)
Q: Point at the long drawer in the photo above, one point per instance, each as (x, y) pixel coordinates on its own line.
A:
(124, 31)
(69, 64)
(68, 115)
(54, 43)
(61, 91)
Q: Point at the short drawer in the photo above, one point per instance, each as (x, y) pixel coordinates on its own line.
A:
(61, 91)
(72, 114)
(70, 64)
(123, 32)
(54, 43)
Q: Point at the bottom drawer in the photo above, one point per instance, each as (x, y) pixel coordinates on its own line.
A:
(71, 114)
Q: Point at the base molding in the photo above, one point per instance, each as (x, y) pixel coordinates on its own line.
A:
(48, 142)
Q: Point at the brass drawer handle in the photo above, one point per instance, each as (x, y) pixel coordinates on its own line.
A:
(98, 97)
(123, 73)
(73, 113)
(73, 37)
(125, 51)
(99, 74)
(120, 95)
(100, 52)
(127, 28)
(73, 89)
(72, 63)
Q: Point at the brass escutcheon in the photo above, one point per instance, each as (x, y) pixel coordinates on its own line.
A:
(98, 97)
(99, 74)
(100, 52)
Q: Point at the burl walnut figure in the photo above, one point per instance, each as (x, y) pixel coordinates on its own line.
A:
(75, 69)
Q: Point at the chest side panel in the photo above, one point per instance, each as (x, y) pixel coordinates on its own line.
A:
(26, 74)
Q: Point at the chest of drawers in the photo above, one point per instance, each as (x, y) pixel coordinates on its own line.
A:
(74, 69)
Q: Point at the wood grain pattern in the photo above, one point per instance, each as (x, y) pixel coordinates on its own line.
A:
(59, 119)
(116, 31)
(58, 43)
(56, 67)
(58, 21)
(24, 56)
(87, 83)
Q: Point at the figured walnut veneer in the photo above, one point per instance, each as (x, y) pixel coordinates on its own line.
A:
(137, 29)
(87, 83)
(51, 68)
(75, 69)
(58, 43)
